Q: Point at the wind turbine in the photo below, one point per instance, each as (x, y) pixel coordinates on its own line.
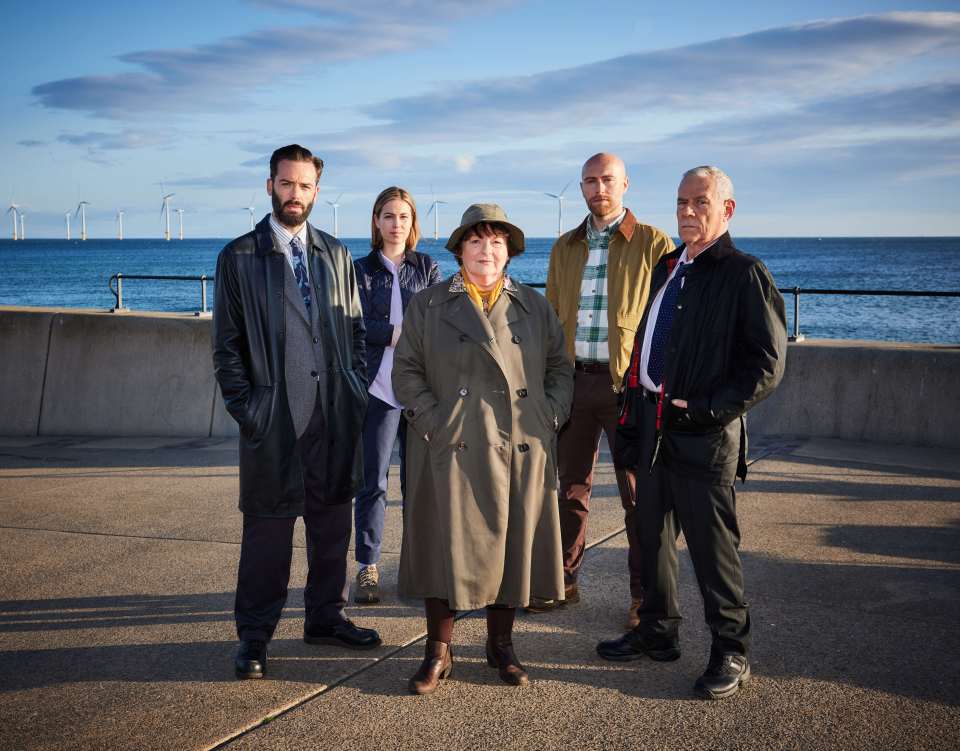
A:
(13, 209)
(180, 213)
(165, 209)
(336, 215)
(559, 197)
(67, 217)
(435, 210)
(119, 224)
(251, 209)
(82, 211)
(23, 231)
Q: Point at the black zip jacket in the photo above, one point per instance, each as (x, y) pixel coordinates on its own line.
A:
(417, 271)
(726, 352)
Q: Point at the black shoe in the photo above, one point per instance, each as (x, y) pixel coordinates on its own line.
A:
(251, 659)
(632, 646)
(723, 677)
(343, 634)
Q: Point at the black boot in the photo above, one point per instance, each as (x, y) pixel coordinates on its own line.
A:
(437, 664)
(723, 677)
(500, 655)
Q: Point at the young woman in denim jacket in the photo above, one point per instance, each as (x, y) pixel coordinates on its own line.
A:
(387, 277)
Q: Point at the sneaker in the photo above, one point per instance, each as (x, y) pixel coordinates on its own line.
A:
(571, 596)
(368, 585)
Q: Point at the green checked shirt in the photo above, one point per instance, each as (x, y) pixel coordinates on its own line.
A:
(591, 340)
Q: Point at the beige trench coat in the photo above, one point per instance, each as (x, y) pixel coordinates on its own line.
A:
(483, 397)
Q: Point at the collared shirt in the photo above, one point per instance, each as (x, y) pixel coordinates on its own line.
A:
(591, 343)
(645, 381)
(283, 236)
(382, 386)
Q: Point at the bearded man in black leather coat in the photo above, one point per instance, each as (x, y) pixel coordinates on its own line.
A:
(288, 354)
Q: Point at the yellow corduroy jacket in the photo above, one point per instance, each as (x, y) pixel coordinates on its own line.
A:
(634, 250)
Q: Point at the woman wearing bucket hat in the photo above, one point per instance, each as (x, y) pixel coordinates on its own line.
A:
(485, 382)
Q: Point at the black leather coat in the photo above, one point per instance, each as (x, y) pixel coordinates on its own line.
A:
(248, 354)
(417, 271)
(726, 352)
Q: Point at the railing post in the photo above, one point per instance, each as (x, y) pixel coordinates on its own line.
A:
(118, 294)
(203, 294)
(797, 336)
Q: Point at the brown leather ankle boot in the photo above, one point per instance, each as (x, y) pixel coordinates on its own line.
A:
(500, 655)
(437, 664)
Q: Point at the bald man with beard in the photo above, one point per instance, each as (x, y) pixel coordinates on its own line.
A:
(598, 282)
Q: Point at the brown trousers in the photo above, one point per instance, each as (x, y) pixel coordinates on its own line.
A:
(594, 410)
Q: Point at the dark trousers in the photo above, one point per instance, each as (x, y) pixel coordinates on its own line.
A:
(266, 551)
(382, 426)
(594, 410)
(671, 502)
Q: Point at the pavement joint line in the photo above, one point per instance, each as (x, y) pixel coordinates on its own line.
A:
(117, 534)
(326, 688)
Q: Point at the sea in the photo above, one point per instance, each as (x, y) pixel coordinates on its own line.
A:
(76, 274)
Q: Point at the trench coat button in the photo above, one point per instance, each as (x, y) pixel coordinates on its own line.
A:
(410, 413)
(463, 337)
(316, 340)
(515, 339)
(521, 393)
(523, 447)
(464, 391)
(313, 374)
(461, 446)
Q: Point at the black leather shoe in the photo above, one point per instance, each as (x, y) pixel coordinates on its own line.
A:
(632, 646)
(723, 677)
(343, 634)
(251, 659)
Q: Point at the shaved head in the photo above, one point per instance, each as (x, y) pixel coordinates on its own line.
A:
(603, 181)
(604, 161)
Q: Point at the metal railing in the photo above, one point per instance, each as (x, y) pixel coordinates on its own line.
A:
(796, 336)
(797, 291)
(118, 290)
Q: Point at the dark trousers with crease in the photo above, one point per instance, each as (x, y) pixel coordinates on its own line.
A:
(594, 411)
(671, 502)
(266, 552)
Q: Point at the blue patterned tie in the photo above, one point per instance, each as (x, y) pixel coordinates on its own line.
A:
(300, 271)
(668, 306)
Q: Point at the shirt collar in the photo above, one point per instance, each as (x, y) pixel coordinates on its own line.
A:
(457, 285)
(595, 234)
(284, 235)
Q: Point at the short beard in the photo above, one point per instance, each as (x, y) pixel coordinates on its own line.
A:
(601, 213)
(278, 212)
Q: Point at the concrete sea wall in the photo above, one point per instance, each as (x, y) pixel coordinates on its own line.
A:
(79, 372)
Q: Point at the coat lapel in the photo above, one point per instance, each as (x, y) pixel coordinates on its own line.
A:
(462, 314)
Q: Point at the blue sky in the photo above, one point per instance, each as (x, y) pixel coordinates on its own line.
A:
(832, 118)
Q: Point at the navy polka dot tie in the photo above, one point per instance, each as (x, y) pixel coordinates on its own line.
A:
(661, 331)
(300, 271)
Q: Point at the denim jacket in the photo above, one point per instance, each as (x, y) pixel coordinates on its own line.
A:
(417, 271)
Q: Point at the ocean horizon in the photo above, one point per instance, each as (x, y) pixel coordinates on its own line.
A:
(51, 272)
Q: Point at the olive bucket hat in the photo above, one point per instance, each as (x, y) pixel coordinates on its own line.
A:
(486, 212)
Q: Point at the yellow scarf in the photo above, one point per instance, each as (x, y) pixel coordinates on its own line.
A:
(483, 300)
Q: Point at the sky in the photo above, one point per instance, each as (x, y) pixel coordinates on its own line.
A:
(832, 118)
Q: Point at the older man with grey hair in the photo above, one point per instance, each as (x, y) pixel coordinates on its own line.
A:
(712, 343)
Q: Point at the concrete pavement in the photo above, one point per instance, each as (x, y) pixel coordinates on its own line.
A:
(116, 594)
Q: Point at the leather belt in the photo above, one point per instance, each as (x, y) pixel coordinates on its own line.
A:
(591, 367)
(651, 396)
